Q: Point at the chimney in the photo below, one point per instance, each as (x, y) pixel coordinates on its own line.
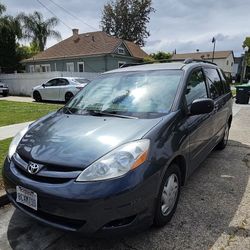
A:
(75, 32)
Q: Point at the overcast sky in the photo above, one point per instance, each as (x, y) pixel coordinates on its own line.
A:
(184, 25)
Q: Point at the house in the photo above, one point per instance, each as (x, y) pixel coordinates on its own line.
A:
(237, 68)
(224, 59)
(88, 52)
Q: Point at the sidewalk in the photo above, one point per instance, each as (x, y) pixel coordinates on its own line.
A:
(11, 130)
(17, 98)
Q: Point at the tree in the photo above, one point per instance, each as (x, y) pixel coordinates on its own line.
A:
(9, 33)
(127, 19)
(160, 55)
(38, 30)
(246, 43)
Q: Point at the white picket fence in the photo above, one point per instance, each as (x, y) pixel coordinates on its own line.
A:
(21, 84)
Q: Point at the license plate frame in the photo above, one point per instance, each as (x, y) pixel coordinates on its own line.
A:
(26, 197)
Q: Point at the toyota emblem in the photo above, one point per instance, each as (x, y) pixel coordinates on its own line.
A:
(33, 168)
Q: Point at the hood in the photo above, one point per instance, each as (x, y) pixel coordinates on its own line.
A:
(77, 140)
(37, 87)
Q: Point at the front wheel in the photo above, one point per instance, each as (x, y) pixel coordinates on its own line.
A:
(223, 143)
(37, 96)
(168, 196)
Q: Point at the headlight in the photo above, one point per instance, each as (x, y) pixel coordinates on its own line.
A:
(118, 162)
(16, 140)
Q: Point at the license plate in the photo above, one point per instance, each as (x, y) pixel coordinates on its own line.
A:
(26, 197)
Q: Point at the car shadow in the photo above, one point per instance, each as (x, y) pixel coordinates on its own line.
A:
(207, 210)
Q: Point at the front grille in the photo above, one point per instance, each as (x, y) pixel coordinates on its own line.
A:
(73, 224)
(47, 173)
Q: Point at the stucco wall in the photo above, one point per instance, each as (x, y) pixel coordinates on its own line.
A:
(222, 63)
(22, 84)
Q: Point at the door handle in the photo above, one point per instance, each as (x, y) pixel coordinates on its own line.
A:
(216, 107)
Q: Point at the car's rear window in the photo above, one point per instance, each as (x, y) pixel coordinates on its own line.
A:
(81, 80)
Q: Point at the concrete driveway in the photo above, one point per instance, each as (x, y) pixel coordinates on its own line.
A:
(213, 212)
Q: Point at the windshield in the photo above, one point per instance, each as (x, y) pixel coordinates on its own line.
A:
(144, 94)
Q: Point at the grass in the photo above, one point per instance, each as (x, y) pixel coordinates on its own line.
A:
(4, 146)
(233, 92)
(17, 112)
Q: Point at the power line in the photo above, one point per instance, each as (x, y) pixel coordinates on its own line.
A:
(72, 15)
(53, 14)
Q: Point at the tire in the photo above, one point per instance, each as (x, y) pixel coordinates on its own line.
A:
(223, 143)
(172, 177)
(37, 96)
(5, 94)
(68, 96)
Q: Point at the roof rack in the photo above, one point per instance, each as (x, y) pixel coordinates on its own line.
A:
(190, 60)
(151, 62)
(186, 61)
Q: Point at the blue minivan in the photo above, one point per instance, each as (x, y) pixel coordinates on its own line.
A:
(114, 158)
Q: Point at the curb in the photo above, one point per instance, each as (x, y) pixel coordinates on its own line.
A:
(4, 200)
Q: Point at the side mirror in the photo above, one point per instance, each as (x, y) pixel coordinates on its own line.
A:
(202, 106)
(44, 85)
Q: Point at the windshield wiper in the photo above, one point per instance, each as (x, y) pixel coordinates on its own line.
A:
(106, 113)
(67, 109)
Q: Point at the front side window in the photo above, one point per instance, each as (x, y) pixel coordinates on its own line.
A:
(51, 83)
(196, 87)
(145, 94)
(215, 85)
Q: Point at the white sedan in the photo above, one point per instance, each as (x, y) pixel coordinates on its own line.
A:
(59, 89)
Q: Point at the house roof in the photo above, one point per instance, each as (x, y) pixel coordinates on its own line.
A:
(87, 44)
(203, 55)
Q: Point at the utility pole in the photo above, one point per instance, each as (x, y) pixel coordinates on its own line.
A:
(214, 42)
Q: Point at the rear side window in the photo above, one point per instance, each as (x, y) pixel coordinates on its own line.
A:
(225, 82)
(215, 85)
(196, 87)
(62, 82)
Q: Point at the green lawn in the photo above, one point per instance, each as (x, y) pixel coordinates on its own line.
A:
(17, 112)
(4, 146)
(233, 92)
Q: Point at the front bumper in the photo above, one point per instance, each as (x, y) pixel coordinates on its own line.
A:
(4, 91)
(119, 205)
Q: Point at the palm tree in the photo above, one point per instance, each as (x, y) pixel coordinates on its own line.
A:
(2, 8)
(37, 29)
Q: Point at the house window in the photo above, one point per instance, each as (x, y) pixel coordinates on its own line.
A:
(232, 64)
(121, 51)
(80, 66)
(37, 68)
(70, 67)
(32, 68)
(227, 62)
(120, 64)
(45, 68)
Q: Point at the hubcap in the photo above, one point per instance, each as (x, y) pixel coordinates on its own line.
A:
(169, 194)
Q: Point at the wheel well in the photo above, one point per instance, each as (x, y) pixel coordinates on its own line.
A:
(230, 120)
(68, 93)
(181, 162)
(36, 92)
